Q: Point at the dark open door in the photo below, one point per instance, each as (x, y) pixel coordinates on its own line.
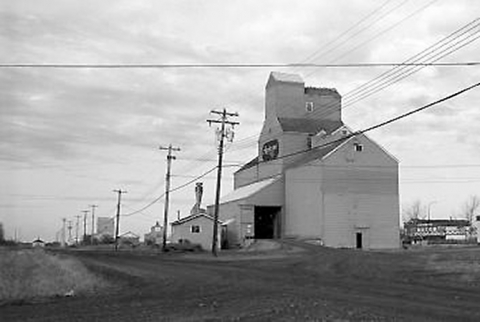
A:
(359, 240)
(265, 225)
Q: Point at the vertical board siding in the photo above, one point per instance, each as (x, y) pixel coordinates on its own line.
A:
(303, 205)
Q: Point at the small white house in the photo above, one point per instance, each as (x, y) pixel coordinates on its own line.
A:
(196, 228)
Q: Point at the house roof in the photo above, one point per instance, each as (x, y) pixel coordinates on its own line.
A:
(129, 234)
(248, 190)
(306, 125)
(192, 217)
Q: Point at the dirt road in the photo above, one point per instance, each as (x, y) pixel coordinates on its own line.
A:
(317, 284)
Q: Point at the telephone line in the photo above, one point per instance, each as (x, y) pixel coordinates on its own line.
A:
(379, 34)
(385, 79)
(234, 65)
(397, 118)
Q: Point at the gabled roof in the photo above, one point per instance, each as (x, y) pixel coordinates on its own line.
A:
(129, 234)
(192, 217)
(249, 164)
(317, 153)
(306, 125)
(284, 77)
(248, 190)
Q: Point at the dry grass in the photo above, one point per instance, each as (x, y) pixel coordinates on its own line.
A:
(29, 274)
(463, 264)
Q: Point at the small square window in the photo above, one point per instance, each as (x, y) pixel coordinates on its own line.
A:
(195, 229)
(309, 106)
(478, 218)
(358, 147)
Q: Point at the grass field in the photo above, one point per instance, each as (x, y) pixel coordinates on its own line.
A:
(30, 274)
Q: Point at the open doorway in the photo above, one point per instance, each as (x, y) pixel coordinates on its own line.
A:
(359, 241)
(266, 222)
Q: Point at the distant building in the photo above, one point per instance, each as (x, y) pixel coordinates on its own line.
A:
(129, 238)
(38, 243)
(313, 177)
(155, 236)
(437, 230)
(105, 226)
(476, 225)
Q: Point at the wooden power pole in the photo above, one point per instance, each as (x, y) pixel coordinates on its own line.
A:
(76, 228)
(85, 213)
(223, 133)
(119, 191)
(170, 157)
(93, 222)
(62, 242)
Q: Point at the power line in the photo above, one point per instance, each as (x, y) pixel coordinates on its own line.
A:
(379, 33)
(398, 73)
(235, 65)
(171, 190)
(347, 40)
(389, 121)
(430, 55)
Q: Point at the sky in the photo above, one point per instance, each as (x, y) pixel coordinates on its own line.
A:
(70, 136)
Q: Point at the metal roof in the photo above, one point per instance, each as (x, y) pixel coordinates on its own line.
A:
(248, 190)
(284, 77)
(192, 217)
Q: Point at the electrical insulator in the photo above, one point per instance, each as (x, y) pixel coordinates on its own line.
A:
(218, 134)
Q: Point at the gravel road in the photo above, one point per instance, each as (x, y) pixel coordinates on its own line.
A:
(316, 284)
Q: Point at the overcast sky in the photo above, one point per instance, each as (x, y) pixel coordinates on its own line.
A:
(71, 136)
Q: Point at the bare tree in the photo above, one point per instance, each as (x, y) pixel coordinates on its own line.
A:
(413, 211)
(470, 208)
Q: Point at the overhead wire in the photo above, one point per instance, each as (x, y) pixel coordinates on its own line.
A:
(320, 51)
(232, 65)
(378, 34)
(371, 128)
(171, 190)
(398, 73)
(403, 70)
(340, 140)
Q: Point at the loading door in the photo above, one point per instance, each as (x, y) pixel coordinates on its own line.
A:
(266, 222)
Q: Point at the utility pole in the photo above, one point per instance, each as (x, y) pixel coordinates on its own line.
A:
(170, 157)
(76, 228)
(119, 191)
(85, 213)
(93, 222)
(69, 230)
(63, 232)
(222, 133)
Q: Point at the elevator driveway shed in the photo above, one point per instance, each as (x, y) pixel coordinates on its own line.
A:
(252, 212)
